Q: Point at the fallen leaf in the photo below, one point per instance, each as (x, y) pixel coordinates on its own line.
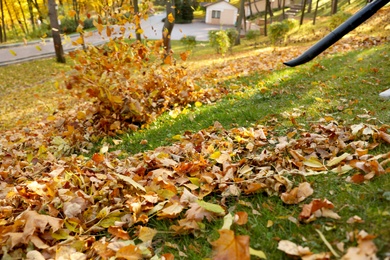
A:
(229, 246)
(297, 194)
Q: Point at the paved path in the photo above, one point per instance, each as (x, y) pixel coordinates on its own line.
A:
(152, 30)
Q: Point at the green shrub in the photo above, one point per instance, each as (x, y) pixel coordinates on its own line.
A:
(88, 23)
(189, 42)
(232, 35)
(68, 25)
(291, 23)
(337, 19)
(220, 41)
(277, 31)
(252, 34)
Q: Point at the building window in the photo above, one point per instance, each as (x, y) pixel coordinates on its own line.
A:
(216, 14)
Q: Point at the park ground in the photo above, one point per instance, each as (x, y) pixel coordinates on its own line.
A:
(233, 172)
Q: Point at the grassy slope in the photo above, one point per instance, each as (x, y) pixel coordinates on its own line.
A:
(341, 86)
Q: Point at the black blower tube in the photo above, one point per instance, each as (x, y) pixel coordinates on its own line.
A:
(350, 24)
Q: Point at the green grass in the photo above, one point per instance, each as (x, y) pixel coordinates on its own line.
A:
(341, 86)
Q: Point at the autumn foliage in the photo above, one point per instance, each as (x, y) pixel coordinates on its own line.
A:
(54, 201)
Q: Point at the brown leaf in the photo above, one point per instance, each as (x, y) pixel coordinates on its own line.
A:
(384, 136)
(229, 246)
(318, 207)
(293, 249)
(198, 213)
(241, 218)
(118, 232)
(297, 194)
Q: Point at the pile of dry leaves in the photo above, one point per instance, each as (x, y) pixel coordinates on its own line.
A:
(57, 207)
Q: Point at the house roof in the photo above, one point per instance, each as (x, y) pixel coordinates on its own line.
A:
(210, 4)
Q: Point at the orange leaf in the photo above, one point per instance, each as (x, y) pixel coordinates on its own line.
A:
(72, 13)
(108, 31)
(98, 158)
(168, 60)
(242, 218)
(231, 247)
(171, 19)
(130, 252)
(118, 232)
(184, 56)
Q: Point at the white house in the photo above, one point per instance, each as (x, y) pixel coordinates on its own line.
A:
(221, 12)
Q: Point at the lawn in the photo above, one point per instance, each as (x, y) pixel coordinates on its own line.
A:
(236, 162)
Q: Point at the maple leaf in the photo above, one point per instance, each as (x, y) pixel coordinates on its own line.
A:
(130, 252)
(229, 246)
(366, 248)
(297, 194)
(317, 208)
(198, 213)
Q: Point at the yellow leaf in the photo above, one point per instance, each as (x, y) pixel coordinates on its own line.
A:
(131, 181)
(319, 99)
(313, 163)
(38, 47)
(171, 19)
(140, 31)
(215, 155)
(146, 234)
(198, 104)
(79, 41)
(12, 52)
(257, 253)
(338, 159)
(270, 223)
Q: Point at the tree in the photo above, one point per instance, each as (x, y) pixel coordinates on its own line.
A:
(334, 6)
(315, 13)
(56, 31)
(303, 12)
(186, 12)
(3, 33)
(138, 22)
(239, 21)
(30, 10)
(168, 26)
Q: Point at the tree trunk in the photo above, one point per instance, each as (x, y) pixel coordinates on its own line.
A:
(11, 18)
(257, 9)
(3, 33)
(315, 13)
(56, 31)
(239, 21)
(334, 6)
(283, 6)
(76, 7)
(137, 26)
(250, 7)
(265, 17)
(36, 5)
(24, 17)
(303, 12)
(30, 10)
(168, 26)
